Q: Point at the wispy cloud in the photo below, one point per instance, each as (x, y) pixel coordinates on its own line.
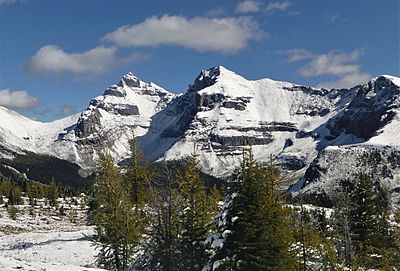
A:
(332, 63)
(252, 6)
(248, 6)
(51, 59)
(278, 6)
(336, 63)
(7, 2)
(202, 34)
(347, 81)
(296, 54)
(67, 110)
(215, 12)
(330, 17)
(17, 99)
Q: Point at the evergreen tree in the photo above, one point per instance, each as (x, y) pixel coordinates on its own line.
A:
(161, 252)
(118, 224)
(53, 193)
(137, 175)
(314, 244)
(15, 196)
(253, 226)
(365, 213)
(6, 186)
(196, 211)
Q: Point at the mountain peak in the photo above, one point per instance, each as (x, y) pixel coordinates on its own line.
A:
(395, 80)
(210, 76)
(131, 80)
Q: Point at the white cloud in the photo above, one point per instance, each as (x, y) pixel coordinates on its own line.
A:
(343, 65)
(52, 59)
(332, 63)
(19, 99)
(199, 33)
(5, 2)
(296, 54)
(346, 81)
(279, 6)
(248, 6)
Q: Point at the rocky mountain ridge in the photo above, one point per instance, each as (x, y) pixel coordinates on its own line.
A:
(304, 128)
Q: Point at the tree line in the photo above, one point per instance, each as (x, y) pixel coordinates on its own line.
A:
(169, 220)
(32, 190)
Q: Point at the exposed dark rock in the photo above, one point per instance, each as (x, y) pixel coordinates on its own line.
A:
(240, 140)
(229, 104)
(266, 127)
(313, 173)
(367, 113)
(288, 143)
(240, 107)
(121, 109)
(324, 112)
(205, 79)
(130, 80)
(88, 125)
(185, 109)
(209, 101)
(115, 91)
(237, 105)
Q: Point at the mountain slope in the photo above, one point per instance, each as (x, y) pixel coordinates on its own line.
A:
(227, 112)
(316, 135)
(124, 110)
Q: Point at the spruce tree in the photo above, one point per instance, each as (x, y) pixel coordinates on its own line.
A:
(253, 225)
(195, 214)
(366, 213)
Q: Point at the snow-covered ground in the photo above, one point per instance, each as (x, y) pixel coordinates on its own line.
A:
(41, 239)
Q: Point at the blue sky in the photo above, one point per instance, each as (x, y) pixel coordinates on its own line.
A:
(57, 55)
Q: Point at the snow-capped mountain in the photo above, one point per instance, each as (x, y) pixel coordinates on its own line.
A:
(319, 136)
(123, 111)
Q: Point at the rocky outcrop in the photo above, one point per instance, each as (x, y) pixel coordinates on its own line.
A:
(121, 109)
(209, 101)
(88, 123)
(130, 80)
(240, 140)
(115, 91)
(182, 109)
(334, 167)
(205, 79)
(371, 109)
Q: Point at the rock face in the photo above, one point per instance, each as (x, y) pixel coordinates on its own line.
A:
(316, 135)
(371, 109)
(222, 112)
(88, 123)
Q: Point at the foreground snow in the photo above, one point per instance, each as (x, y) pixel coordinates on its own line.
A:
(44, 242)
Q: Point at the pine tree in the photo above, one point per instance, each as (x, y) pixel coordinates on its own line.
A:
(253, 223)
(195, 214)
